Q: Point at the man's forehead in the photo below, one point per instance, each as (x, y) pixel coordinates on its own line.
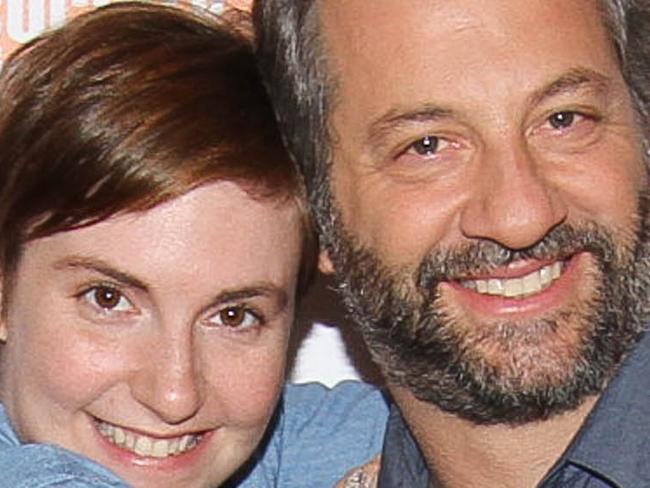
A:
(436, 47)
(355, 12)
(400, 26)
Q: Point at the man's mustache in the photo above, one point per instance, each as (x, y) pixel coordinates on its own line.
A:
(481, 257)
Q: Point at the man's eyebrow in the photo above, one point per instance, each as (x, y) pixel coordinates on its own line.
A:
(396, 117)
(570, 82)
(102, 267)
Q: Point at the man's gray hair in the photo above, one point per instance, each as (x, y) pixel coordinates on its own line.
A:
(294, 65)
(292, 61)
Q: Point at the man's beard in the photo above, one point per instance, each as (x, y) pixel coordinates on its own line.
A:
(422, 345)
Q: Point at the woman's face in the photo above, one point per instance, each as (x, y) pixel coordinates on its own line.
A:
(154, 343)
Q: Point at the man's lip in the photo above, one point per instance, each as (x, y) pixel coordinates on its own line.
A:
(523, 304)
(516, 269)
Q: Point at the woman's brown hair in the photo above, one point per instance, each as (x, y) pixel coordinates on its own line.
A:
(127, 107)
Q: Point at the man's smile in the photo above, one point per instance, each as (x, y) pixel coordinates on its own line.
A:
(517, 287)
(525, 289)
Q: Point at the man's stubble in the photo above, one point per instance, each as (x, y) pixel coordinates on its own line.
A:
(502, 372)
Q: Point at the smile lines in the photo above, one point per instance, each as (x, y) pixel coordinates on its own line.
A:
(146, 446)
(520, 287)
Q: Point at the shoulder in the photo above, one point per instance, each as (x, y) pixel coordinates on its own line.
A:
(47, 466)
(321, 433)
(350, 408)
(310, 398)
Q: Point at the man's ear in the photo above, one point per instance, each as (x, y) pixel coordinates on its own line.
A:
(325, 263)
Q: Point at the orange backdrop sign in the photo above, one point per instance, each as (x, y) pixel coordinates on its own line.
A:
(21, 20)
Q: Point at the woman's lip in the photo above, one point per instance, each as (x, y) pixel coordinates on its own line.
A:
(126, 457)
(143, 432)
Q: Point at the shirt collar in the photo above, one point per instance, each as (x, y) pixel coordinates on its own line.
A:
(613, 443)
(8, 435)
(402, 463)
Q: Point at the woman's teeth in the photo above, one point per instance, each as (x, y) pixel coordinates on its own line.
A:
(146, 446)
(517, 287)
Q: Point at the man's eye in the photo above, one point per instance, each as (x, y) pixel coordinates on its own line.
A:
(430, 146)
(427, 146)
(562, 120)
(572, 127)
(108, 299)
(235, 317)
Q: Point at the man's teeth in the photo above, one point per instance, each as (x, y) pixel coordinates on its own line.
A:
(146, 446)
(517, 287)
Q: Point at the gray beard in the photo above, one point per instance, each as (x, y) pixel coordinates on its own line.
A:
(420, 345)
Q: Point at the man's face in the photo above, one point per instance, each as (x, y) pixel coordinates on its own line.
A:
(487, 174)
(154, 343)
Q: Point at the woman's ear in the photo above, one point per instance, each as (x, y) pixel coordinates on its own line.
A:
(325, 263)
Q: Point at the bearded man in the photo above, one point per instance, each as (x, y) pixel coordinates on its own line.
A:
(479, 173)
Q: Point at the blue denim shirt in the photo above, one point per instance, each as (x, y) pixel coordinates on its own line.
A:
(318, 436)
(611, 450)
(43, 465)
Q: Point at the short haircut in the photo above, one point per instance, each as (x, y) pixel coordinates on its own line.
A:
(127, 107)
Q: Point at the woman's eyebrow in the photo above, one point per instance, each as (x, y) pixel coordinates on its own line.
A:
(99, 266)
(268, 290)
(265, 289)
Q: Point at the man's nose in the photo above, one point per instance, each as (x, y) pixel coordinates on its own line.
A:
(512, 202)
(168, 381)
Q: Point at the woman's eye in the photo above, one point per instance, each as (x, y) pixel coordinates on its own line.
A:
(235, 317)
(108, 299)
(562, 120)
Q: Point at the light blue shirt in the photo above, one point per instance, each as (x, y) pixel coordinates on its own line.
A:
(320, 434)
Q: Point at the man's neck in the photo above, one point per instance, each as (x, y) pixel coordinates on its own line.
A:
(464, 454)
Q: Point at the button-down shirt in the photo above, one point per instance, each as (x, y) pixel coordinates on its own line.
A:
(611, 450)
